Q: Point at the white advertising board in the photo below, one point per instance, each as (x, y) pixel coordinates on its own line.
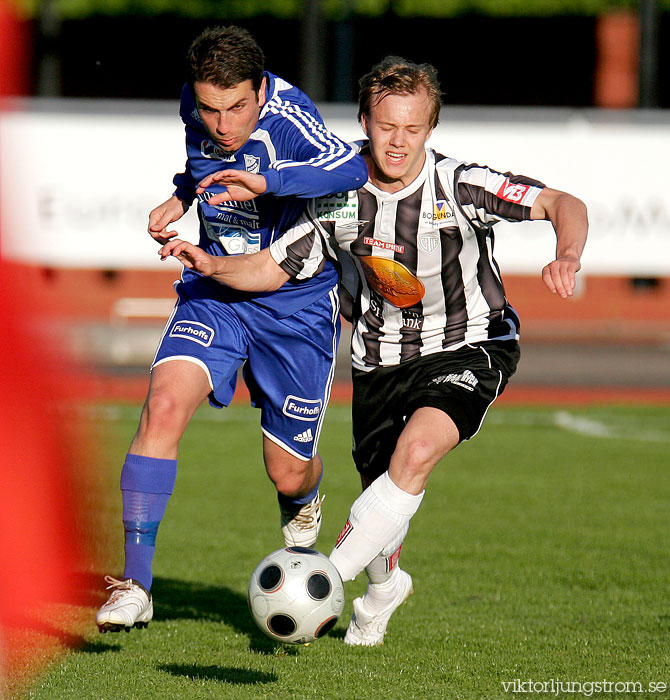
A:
(76, 185)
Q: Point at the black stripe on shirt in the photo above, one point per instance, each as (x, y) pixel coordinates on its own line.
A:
(453, 288)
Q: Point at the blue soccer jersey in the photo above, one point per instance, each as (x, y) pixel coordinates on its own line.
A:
(286, 340)
(299, 159)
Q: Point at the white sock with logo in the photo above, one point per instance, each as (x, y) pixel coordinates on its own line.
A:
(377, 518)
(382, 574)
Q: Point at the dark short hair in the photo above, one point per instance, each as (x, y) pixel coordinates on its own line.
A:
(225, 57)
(398, 76)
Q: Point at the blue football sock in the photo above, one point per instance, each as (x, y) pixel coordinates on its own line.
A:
(146, 486)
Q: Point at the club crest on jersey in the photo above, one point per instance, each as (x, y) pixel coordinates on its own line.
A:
(252, 164)
(340, 207)
(428, 242)
(302, 409)
(193, 330)
(512, 192)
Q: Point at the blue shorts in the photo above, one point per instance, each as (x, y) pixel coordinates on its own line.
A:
(289, 363)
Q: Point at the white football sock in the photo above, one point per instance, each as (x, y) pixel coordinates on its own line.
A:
(378, 595)
(381, 567)
(376, 519)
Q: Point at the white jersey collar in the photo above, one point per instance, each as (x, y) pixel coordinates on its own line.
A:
(411, 188)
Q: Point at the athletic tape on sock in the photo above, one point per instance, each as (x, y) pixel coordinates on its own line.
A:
(146, 486)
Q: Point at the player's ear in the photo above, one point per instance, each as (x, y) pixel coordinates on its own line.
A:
(261, 92)
(364, 124)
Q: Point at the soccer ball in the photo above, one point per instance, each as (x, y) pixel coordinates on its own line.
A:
(296, 595)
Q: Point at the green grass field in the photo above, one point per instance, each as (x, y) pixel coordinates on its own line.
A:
(539, 554)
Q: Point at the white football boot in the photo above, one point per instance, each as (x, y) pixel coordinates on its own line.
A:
(300, 526)
(368, 629)
(129, 605)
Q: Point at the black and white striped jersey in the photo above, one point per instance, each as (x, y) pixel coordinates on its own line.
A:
(417, 269)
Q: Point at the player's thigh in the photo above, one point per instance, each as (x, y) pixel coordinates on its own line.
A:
(207, 333)
(428, 435)
(180, 383)
(290, 372)
(378, 418)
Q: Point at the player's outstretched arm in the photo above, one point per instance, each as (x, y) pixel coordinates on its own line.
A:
(240, 185)
(256, 272)
(569, 219)
(162, 216)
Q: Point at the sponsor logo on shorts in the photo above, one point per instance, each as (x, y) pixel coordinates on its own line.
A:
(305, 436)
(302, 409)
(192, 330)
(466, 380)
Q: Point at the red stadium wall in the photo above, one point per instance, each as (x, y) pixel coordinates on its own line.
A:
(627, 320)
(617, 309)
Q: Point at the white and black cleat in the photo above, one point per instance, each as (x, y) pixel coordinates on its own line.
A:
(129, 605)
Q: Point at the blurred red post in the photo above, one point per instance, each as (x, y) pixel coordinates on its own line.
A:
(40, 549)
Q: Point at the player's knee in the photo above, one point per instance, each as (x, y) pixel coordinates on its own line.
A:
(418, 456)
(164, 413)
(291, 476)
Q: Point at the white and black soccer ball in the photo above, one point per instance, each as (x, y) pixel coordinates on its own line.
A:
(296, 595)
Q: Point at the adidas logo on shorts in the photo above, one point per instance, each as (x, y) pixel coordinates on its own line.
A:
(305, 436)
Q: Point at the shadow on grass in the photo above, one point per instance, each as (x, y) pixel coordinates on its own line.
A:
(226, 674)
(98, 648)
(185, 600)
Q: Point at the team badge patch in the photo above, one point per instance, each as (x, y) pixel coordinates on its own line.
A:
(428, 242)
(193, 330)
(252, 164)
(393, 281)
(302, 409)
